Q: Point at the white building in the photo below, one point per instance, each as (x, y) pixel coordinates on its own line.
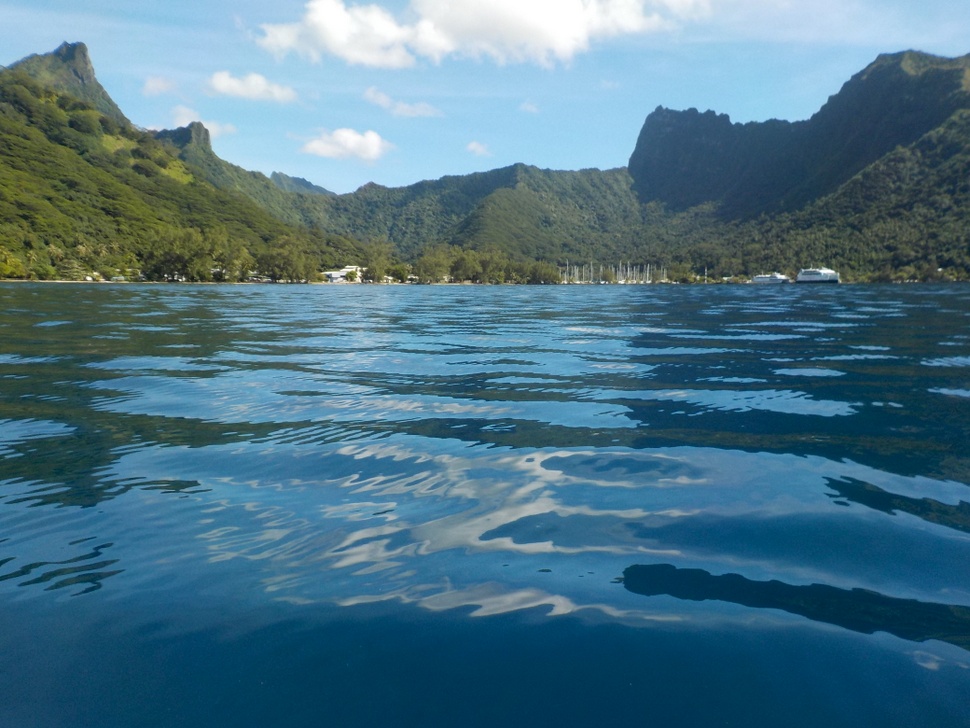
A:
(347, 274)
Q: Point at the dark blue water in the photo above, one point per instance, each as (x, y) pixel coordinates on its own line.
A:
(481, 506)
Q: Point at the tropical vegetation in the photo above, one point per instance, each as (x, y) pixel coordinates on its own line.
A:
(876, 184)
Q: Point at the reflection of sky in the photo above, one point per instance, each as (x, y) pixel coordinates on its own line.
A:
(13, 432)
(357, 487)
(731, 400)
(952, 392)
(809, 372)
(453, 524)
(949, 361)
(155, 363)
(270, 396)
(17, 359)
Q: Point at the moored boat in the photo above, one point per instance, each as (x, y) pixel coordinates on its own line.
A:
(817, 275)
(771, 278)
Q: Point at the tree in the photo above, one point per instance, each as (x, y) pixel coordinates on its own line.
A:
(433, 264)
(10, 265)
(231, 260)
(399, 272)
(287, 261)
(466, 266)
(494, 264)
(178, 255)
(377, 259)
(542, 272)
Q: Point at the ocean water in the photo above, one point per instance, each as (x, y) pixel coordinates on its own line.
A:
(482, 506)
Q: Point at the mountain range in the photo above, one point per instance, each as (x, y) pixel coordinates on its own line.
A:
(876, 183)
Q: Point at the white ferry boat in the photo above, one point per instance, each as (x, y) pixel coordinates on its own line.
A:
(817, 275)
(771, 278)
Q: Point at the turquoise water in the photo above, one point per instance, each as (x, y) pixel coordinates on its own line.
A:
(424, 506)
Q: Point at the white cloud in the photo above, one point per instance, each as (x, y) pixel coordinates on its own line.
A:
(399, 108)
(366, 35)
(348, 143)
(158, 86)
(254, 87)
(507, 31)
(528, 107)
(478, 149)
(183, 116)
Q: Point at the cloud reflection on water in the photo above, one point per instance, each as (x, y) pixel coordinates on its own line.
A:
(471, 527)
(506, 450)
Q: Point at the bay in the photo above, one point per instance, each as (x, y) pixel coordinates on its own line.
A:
(455, 505)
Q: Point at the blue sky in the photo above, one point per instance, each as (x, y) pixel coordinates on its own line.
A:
(345, 92)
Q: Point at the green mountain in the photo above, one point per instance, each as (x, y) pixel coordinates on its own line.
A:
(193, 146)
(83, 193)
(874, 184)
(524, 211)
(69, 69)
(686, 158)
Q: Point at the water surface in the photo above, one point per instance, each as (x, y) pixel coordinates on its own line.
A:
(569, 505)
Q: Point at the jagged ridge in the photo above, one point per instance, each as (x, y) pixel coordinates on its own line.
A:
(875, 183)
(685, 158)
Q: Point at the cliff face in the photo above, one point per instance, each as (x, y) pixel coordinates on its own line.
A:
(195, 134)
(685, 158)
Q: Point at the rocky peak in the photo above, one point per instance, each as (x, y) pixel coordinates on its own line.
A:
(195, 134)
(76, 59)
(68, 69)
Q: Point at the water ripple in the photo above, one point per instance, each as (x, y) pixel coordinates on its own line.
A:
(263, 453)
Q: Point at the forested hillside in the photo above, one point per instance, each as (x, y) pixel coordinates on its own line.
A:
(86, 194)
(876, 184)
(523, 211)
